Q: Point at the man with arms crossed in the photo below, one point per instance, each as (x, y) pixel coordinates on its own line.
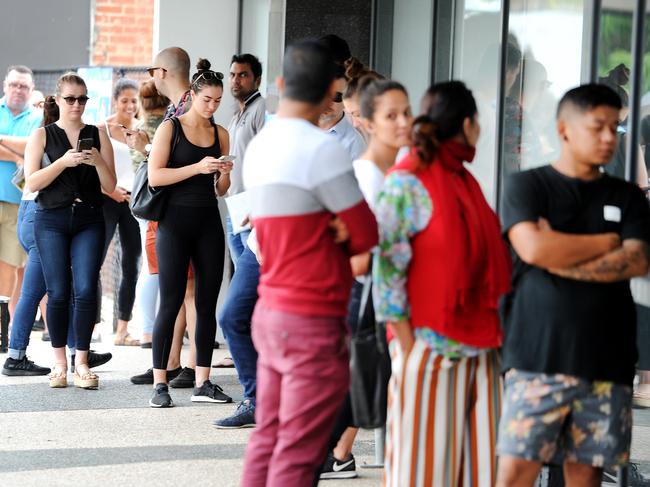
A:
(569, 348)
(300, 179)
(237, 311)
(18, 118)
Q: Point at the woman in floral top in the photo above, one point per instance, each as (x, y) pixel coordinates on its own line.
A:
(440, 269)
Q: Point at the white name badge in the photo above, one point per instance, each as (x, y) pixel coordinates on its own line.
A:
(612, 213)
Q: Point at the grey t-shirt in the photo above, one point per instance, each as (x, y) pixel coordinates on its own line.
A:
(242, 128)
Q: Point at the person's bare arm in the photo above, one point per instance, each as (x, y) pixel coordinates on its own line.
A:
(629, 260)
(539, 245)
(12, 148)
(37, 178)
(160, 174)
(222, 183)
(360, 264)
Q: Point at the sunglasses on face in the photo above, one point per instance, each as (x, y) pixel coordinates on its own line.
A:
(71, 99)
(208, 75)
(338, 97)
(151, 71)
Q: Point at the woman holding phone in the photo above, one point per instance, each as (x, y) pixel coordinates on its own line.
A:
(69, 223)
(190, 230)
(117, 213)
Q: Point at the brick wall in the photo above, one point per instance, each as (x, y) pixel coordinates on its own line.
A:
(123, 33)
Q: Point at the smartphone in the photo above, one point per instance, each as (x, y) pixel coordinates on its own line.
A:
(84, 144)
(226, 159)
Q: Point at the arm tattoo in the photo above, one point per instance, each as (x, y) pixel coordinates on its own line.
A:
(630, 260)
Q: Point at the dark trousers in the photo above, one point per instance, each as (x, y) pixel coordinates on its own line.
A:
(345, 419)
(70, 241)
(188, 234)
(119, 216)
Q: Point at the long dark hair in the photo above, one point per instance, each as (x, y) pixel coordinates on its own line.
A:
(444, 108)
(50, 110)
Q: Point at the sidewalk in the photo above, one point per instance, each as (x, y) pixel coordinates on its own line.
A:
(63, 437)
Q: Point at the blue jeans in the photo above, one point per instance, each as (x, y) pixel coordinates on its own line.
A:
(235, 320)
(236, 243)
(33, 288)
(70, 242)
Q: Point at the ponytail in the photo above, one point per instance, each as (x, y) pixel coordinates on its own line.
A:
(424, 140)
(50, 110)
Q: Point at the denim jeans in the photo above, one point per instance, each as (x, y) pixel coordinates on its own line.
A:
(236, 243)
(70, 241)
(146, 291)
(33, 288)
(235, 320)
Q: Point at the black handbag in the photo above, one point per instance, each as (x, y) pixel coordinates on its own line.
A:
(370, 367)
(149, 203)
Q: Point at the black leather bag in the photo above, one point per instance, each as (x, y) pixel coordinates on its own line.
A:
(146, 202)
(369, 366)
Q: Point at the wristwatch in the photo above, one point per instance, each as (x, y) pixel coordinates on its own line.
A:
(147, 149)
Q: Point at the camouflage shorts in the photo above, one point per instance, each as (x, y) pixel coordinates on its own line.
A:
(557, 418)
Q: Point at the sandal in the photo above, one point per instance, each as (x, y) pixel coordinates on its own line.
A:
(86, 381)
(641, 399)
(59, 378)
(127, 341)
(224, 363)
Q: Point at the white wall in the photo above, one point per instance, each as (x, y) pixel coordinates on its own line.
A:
(207, 30)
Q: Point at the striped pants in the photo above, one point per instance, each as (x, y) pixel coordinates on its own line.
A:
(443, 419)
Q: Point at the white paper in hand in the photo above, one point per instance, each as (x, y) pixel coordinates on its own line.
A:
(239, 209)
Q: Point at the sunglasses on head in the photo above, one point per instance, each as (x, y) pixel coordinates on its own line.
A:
(151, 71)
(338, 97)
(208, 75)
(71, 99)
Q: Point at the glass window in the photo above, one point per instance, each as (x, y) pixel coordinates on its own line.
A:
(412, 46)
(540, 69)
(476, 61)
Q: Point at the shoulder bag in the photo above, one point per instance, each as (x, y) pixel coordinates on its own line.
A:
(149, 203)
(370, 367)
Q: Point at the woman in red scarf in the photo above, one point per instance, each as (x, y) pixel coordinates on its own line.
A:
(441, 268)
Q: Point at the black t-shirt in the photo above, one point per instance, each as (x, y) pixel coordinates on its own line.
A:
(559, 325)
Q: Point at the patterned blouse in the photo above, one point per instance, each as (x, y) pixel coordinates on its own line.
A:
(404, 209)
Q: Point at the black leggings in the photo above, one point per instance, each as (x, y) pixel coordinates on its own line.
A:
(188, 234)
(118, 215)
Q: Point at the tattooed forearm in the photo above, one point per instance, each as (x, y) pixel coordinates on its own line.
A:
(630, 260)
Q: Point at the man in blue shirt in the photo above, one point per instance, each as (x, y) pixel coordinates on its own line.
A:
(17, 121)
(335, 121)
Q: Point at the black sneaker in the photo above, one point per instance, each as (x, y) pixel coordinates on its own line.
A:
(244, 417)
(335, 469)
(94, 359)
(24, 366)
(210, 392)
(161, 397)
(184, 380)
(634, 477)
(45, 336)
(147, 377)
(38, 325)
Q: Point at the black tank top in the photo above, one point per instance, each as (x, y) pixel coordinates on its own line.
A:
(197, 191)
(74, 183)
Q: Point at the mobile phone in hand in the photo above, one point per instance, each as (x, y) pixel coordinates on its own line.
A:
(84, 144)
(226, 159)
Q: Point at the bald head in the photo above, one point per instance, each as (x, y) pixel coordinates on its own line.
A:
(176, 61)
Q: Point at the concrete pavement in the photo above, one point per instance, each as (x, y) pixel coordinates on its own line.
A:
(62, 437)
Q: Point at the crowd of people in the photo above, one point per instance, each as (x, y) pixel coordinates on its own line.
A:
(499, 331)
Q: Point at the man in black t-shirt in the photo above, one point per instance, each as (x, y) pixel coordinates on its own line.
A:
(569, 350)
